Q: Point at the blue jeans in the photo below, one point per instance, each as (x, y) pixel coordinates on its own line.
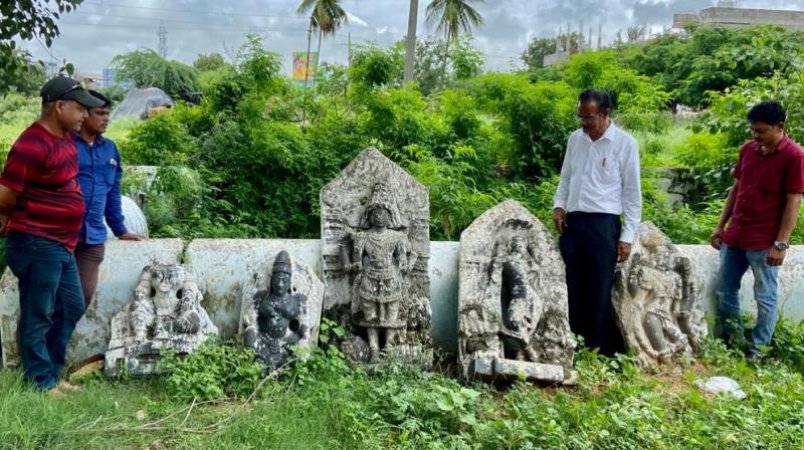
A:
(734, 262)
(51, 304)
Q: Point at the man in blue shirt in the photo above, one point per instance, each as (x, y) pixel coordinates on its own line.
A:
(99, 173)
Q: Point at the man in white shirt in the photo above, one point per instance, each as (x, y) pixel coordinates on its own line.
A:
(599, 183)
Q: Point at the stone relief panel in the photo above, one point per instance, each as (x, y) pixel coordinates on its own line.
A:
(281, 308)
(656, 299)
(375, 227)
(165, 313)
(512, 299)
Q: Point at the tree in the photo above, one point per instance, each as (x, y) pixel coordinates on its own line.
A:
(147, 68)
(26, 20)
(538, 48)
(326, 16)
(213, 61)
(636, 33)
(453, 17)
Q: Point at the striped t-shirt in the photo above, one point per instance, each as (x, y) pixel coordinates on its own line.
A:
(42, 168)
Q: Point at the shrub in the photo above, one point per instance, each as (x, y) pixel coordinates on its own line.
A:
(213, 371)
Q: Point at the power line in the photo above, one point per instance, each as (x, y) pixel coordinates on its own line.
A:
(151, 19)
(185, 11)
(156, 26)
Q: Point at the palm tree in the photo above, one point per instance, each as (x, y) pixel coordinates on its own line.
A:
(453, 17)
(326, 16)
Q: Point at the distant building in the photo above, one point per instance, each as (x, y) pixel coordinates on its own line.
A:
(726, 14)
(108, 77)
(90, 80)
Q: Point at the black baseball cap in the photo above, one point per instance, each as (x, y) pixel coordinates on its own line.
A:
(65, 88)
(107, 103)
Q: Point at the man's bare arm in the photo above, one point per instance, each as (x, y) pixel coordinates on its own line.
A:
(8, 198)
(717, 236)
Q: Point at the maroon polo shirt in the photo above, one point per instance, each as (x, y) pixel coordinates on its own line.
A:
(762, 192)
(42, 168)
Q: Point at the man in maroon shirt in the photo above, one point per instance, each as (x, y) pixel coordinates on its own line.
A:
(41, 210)
(761, 212)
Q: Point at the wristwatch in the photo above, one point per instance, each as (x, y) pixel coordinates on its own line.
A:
(781, 246)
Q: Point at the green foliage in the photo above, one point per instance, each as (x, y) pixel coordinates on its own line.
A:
(713, 59)
(159, 140)
(27, 20)
(213, 371)
(538, 48)
(788, 344)
(209, 63)
(146, 68)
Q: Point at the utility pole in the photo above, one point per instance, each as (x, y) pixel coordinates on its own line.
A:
(599, 34)
(410, 57)
(162, 33)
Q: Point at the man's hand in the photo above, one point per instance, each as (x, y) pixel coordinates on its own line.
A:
(131, 237)
(559, 219)
(775, 256)
(623, 251)
(716, 239)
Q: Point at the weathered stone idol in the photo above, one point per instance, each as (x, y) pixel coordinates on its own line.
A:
(512, 300)
(375, 227)
(285, 313)
(166, 313)
(656, 299)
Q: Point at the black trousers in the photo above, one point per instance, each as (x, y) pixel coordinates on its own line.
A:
(589, 249)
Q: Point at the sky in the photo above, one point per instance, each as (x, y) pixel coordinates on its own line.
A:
(100, 29)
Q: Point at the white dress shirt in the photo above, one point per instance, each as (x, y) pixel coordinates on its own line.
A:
(602, 177)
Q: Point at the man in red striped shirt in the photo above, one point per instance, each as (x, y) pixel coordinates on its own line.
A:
(41, 210)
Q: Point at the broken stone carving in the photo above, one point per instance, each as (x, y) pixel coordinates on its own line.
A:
(281, 310)
(656, 301)
(166, 313)
(375, 228)
(512, 300)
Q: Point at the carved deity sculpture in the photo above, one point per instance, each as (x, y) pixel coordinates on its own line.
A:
(275, 321)
(166, 313)
(512, 313)
(375, 236)
(382, 257)
(656, 300)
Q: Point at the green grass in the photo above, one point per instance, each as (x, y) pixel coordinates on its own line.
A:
(324, 405)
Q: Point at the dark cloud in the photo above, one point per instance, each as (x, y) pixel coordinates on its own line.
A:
(102, 29)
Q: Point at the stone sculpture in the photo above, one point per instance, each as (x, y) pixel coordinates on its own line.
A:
(166, 313)
(285, 314)
(656, 300)
(512, 319)
(375, 227)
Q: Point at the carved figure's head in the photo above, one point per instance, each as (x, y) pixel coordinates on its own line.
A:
(281, 273)
(382, 210)
(166, 277)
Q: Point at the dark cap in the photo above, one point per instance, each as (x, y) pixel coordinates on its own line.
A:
(65, 88)
(107, 103)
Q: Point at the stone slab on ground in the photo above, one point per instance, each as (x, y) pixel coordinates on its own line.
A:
(499, 369)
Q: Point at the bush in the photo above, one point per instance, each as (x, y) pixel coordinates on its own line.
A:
(213, 371)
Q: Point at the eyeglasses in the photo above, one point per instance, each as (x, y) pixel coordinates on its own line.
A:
(583, 118)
